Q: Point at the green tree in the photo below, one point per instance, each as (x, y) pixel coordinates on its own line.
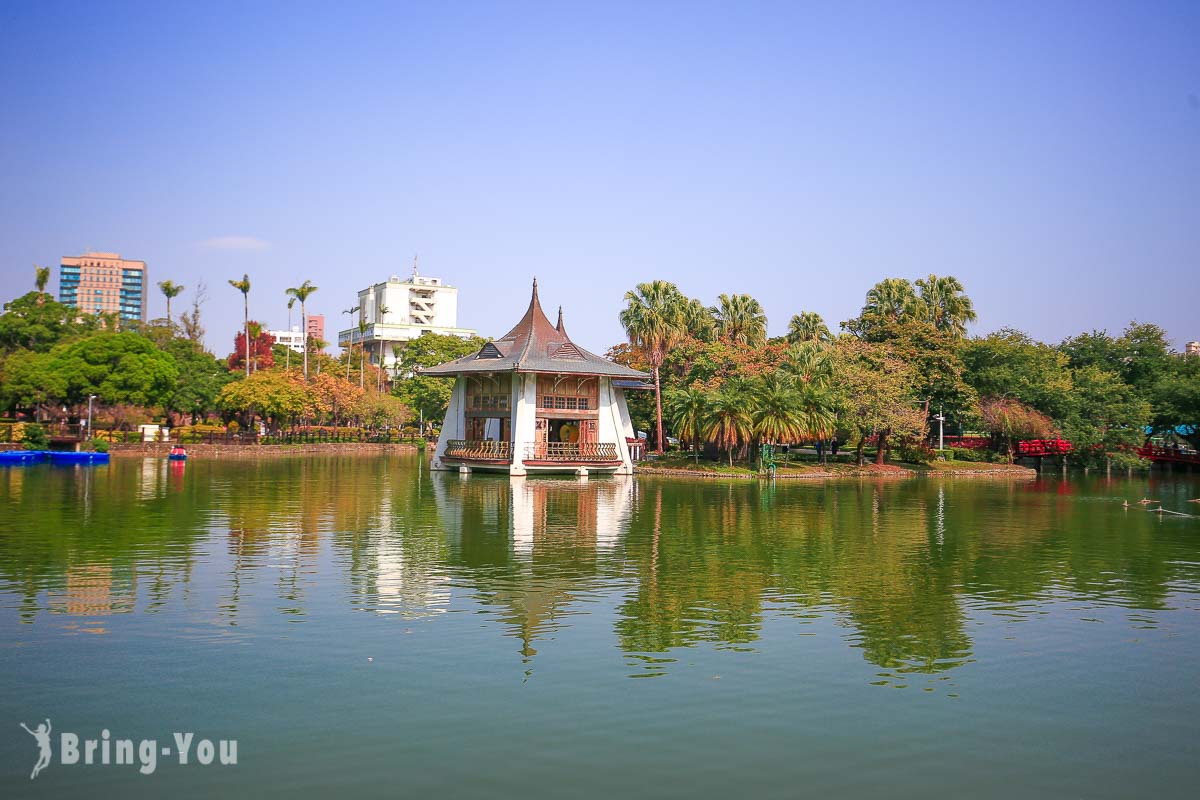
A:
(170, 290)
(425, 394)
(36, 323)
(1175, 399)
(740, 319)
(1107, 418)
(118, 367)
(27, 383)
(653, 319)
(807, 326)
(778, 414)
(243, 286)
(874, 395)
(1008, 364)
(729, 424)
(890, 300)
(200, 380)
(41, 276)
(273, 394)
(302, 293)
(945, 305)
(687, 409)
(698, 320)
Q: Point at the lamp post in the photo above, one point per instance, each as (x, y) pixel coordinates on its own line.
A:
(941, 419)
(91, 397)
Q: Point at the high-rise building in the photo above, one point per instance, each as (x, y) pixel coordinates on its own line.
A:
(103, 283)
(1192, 349)
(316, 326)
(397, 311)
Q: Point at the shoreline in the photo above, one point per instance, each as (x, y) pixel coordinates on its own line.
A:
(258, 451)
(866, 471)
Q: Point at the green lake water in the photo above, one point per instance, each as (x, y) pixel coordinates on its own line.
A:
(360, 625)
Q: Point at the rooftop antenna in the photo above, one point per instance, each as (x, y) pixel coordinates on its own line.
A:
(414, 265)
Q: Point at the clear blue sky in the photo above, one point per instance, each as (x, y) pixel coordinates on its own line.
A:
(1048, 154)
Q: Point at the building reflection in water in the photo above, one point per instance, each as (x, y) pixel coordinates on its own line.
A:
(534, 549)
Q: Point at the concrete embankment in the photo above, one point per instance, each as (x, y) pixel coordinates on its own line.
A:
(233, 451)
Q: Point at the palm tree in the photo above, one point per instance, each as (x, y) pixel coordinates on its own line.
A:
(653, 321)
(946, 304)
(688, 411)
(243, 286)
(729, 422)
(740, 319)
(698, 321)
(41, 276)
(362, 350)
(891, 299)
(810, 364)
(396, 351)
(807, 326)
(778, 415)
(169, 289)
(254, 329)
(350, 349)
(301, 293)
(380, 311)
(288, 357)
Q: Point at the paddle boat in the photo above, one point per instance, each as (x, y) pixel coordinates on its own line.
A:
(178, 453)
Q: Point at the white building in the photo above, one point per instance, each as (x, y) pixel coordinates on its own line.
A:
(534, 401)
(293, 338)
(397, 311)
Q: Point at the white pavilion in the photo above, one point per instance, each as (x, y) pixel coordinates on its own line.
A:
(533, 401)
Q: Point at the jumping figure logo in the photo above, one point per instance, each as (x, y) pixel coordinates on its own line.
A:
(42, 735)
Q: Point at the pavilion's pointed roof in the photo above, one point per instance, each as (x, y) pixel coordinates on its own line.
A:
(535, 345)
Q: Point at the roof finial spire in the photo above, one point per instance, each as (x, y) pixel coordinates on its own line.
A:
(559, 326)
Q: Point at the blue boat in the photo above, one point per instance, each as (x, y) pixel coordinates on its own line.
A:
(77, 458)
(22, 456)
(177, 454)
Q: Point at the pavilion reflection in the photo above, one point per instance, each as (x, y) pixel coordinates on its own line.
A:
(534, 549)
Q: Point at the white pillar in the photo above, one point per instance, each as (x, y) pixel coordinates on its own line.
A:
(615, 424)
(454, 425)
(524, 418)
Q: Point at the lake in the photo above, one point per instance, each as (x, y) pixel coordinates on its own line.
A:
(362, 625)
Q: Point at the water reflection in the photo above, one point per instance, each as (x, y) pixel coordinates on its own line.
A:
(907, 571)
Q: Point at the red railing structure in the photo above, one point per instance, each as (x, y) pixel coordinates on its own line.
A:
(1043, 447)
(1173, 454)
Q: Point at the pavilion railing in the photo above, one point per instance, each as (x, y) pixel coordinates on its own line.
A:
(479, 449)
(576, 451)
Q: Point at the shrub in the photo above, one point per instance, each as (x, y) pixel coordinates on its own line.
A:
(99, 445)
(967, 454)
(915, 452)
(32, 435)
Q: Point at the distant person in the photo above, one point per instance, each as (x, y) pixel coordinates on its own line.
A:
(833, 447)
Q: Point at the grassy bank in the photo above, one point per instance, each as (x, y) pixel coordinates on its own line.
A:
(685, 467)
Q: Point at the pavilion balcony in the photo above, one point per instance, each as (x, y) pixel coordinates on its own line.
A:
(479, 450)
(572, 453)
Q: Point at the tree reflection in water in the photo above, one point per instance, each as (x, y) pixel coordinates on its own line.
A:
(905, 568)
